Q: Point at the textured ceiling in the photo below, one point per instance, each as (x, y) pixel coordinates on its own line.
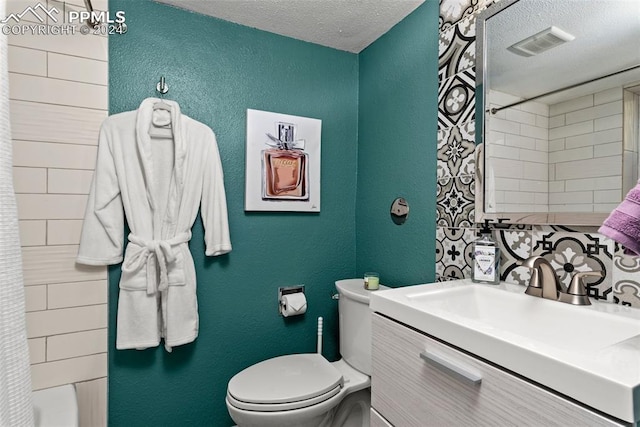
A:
(349, 25)
(607, 40)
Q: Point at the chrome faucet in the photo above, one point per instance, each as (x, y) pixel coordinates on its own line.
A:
(544, 283)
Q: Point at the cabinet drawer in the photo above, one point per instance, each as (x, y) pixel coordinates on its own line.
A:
(414, 383)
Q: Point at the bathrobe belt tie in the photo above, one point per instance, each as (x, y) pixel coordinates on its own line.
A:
(156, 254)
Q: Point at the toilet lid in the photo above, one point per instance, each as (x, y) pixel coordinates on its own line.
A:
(285, 379)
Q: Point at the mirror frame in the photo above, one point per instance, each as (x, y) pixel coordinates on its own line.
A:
(532, 218)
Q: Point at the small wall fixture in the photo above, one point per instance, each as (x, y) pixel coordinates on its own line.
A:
(541, 42)
(291, 301)
(399, 211)
(162, 87)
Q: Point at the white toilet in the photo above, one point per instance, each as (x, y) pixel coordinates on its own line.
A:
(306, 390)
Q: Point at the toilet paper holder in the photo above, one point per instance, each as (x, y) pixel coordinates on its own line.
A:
(287, 290)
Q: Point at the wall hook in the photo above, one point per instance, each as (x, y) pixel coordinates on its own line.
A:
(162, 86)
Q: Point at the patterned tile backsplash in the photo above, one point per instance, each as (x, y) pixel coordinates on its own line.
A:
(457, 49)
(516, 245)
(453, 252)
(456, 147)
(452, 11)
(568, 252)
(456, 201)
(456, 99)
(626, 278)
(569, 249)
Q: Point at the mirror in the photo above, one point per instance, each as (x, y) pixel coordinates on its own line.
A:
(558, 84)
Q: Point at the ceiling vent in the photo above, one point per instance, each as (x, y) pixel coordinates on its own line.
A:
(541, 42)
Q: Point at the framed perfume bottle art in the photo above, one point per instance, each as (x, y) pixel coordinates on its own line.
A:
(283, 162)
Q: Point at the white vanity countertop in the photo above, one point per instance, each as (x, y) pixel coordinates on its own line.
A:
(589, 353)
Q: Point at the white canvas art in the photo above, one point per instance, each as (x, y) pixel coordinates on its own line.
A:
(283, 162)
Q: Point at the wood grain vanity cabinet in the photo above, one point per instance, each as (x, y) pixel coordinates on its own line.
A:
(411, 387)
(378, 420)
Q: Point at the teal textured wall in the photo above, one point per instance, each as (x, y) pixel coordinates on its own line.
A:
(397, 146)
(216, 70)
(379, 118)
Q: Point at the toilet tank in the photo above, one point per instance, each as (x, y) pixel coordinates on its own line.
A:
(355, 323)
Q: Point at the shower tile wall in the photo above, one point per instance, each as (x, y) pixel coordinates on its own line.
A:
(585, 152)
(518, 155)
(569, 249)
(59, 97)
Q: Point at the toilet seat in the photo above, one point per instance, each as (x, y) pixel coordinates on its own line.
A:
(285, 383)
(275, 407)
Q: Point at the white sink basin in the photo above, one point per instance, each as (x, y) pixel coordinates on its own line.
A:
(589, 353)
(559, 325)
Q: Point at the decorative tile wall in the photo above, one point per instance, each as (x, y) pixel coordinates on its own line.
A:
(456, 146)
(456, 49)
(568, 249)
(456, 99)
(453, 252)
(456, 138)
(454, 11)
(626, 278)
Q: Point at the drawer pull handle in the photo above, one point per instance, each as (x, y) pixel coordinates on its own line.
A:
(452, 367)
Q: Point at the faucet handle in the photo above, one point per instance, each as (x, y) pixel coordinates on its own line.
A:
(577, 286)
(577, 292)
(535, 287)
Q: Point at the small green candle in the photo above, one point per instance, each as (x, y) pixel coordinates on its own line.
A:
(371, 281)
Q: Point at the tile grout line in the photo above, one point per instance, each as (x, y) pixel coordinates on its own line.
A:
(97, 85)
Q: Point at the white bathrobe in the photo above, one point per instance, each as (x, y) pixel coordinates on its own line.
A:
(160, 181)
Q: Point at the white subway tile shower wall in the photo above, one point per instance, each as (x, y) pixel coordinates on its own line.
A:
(587, 140)
(59, 98)
(521, 156)
(573, 246)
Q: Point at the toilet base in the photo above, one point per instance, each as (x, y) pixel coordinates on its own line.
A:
(313, 416)
(354, 410)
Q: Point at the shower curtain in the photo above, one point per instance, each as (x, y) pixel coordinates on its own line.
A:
(15, 380)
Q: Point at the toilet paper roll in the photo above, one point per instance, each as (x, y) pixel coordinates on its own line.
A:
(294, 304)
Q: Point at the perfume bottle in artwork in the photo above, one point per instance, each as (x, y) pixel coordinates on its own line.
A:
(285, 166)
(282, 170)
